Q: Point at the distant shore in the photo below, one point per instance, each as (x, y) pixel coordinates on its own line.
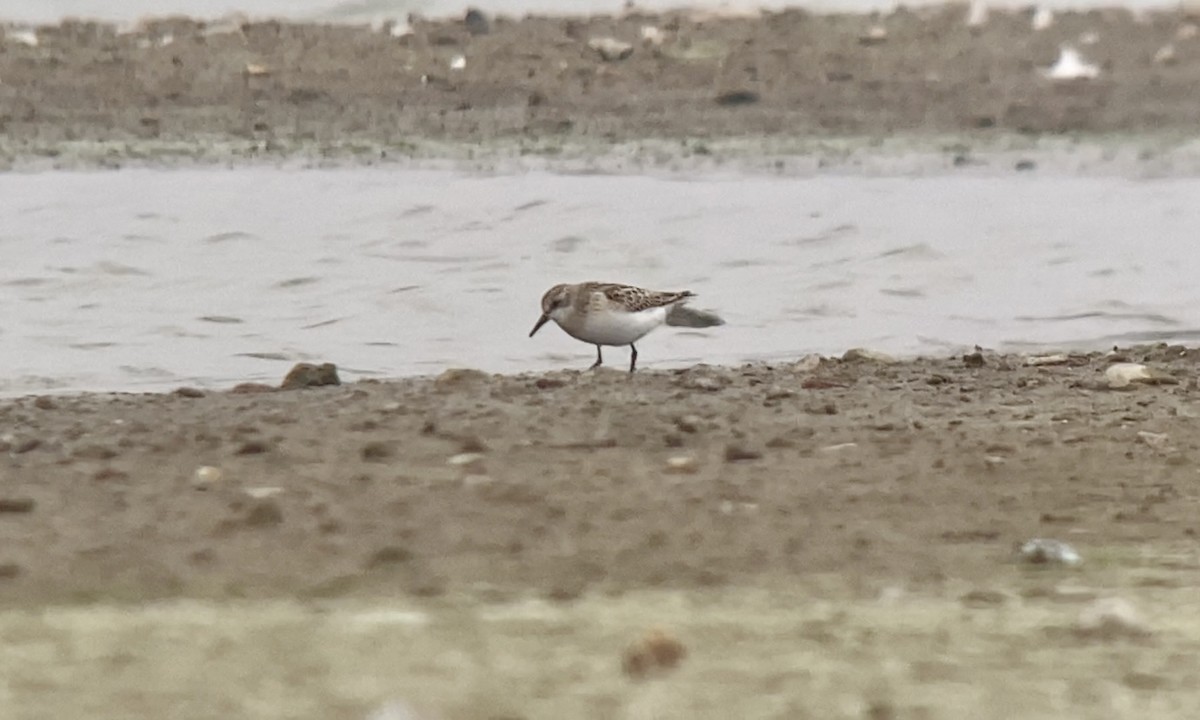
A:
(178, 91)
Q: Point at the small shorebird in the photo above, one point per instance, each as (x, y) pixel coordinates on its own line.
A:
(614, 314)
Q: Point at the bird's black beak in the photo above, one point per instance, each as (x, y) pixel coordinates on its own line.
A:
(541, 321)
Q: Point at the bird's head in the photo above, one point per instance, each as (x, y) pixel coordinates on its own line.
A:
(555, 304)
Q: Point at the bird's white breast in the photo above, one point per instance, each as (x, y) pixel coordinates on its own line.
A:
(611, 327)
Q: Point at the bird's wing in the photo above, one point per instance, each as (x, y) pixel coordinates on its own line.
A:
(635, 299)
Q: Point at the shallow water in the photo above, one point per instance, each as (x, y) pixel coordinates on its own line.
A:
(150, 279)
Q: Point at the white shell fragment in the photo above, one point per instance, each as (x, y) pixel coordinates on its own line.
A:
(458, 62)
(23, 37)
(652, 35)
(1043, 18)
(1040, 360)
(1043, 551)
(875, 35)
(1165, 55)
(682, 464)
(1071, 66)
(977, 14)
(1158, 441)
(1122, 375)
(610, 48)
(466, 458)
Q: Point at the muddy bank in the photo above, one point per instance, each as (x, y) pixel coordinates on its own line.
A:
(179, 90)
(847, 477)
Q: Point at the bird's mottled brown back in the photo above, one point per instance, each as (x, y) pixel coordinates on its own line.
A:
(634, 299)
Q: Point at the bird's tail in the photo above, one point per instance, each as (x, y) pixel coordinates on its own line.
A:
(681, 315)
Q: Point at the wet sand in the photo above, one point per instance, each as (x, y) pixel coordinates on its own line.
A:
(861, 473)
(180, 91)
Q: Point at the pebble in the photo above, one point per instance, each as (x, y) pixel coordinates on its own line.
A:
(458, 62)
(308, 375)
(682, 465)
(466, 458)
(977, 14)
(28, 38)
(611, 49)
(653, 654)
(974, 360)
(263, 491)
(1071, 66)
(1043, 551)
(652, 35)
(736, 453)
(206, 476)
(874, 36)
(376, 451)
(839, 447)
(808, 363)
(1041, 360)
(864, 355)
(253, 447)
(476, 22)
(1042, 19)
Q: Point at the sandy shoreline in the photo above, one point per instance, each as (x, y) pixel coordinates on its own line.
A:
(180, 91)
(855, 475)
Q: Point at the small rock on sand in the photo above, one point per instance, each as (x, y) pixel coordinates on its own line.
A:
(476, 22)
(864, 355)
(1044, 551)
(611, 49)
(655, 653)
(308, 375)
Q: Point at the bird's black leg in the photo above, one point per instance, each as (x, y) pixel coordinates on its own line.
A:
(599, 359)
(632, 357)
